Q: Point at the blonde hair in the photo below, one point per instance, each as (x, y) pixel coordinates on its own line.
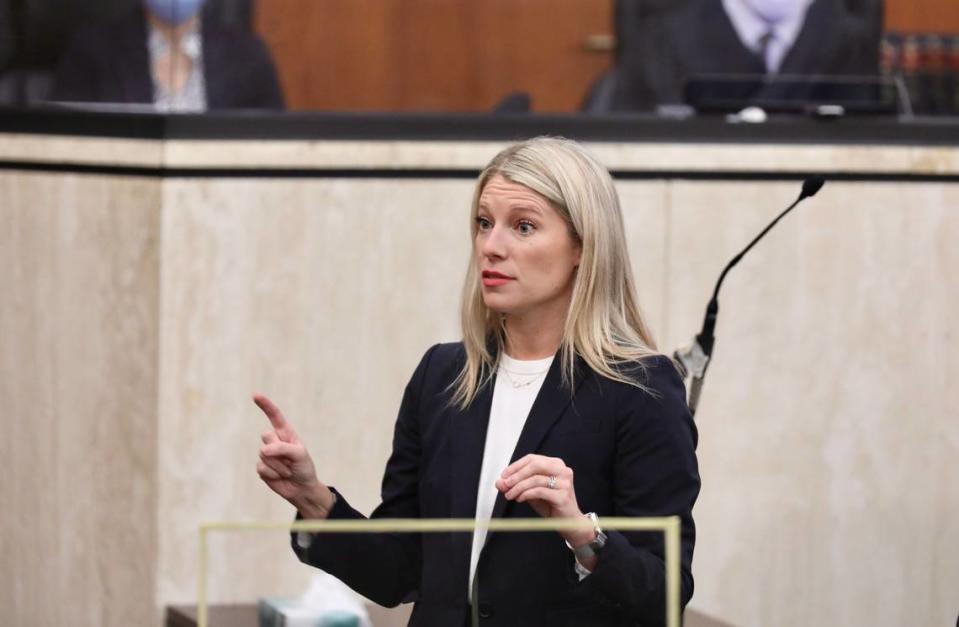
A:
(604, 325)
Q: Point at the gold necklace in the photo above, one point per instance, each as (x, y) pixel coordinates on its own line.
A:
(521, 384)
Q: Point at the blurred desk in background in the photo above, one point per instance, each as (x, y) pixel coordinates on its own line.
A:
(429, 146)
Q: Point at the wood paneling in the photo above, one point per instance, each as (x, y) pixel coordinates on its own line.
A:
(449, 55)
(937, 16)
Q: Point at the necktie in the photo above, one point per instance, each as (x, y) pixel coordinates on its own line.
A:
(763, 51)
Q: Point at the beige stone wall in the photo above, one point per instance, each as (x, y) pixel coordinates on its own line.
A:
(829, 431)
(133, 336)
(79, 266)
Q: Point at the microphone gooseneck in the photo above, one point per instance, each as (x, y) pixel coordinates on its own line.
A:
(695, 358)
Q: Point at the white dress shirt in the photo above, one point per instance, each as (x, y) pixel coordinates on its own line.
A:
(782, 27)
(192, 98)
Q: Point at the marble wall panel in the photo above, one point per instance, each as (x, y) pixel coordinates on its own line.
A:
(78, 352)
(69, 149)
(829, 441)
(646, 221)
(443, 155)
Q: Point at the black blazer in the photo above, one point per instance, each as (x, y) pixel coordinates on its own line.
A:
(110, 62)
(632, 453)
(661, 53)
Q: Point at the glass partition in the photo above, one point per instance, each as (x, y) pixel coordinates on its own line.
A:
(271, 600)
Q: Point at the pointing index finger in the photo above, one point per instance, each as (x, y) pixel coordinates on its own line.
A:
(272, 412)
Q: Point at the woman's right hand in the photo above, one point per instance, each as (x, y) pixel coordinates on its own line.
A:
(287, 468)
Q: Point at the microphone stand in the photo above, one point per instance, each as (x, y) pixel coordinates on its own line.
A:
(695, 358)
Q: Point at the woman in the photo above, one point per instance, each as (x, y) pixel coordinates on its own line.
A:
(555, 404)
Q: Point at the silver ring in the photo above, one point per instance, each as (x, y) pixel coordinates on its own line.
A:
(551, 482)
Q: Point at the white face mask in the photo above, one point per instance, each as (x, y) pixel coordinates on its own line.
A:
(774, 11)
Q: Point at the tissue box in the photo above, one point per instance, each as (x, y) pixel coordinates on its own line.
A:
(288, 613)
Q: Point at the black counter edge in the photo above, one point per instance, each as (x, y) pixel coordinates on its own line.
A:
(256, 125)
(465, 173)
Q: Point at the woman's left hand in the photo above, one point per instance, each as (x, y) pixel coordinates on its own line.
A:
(528, 480)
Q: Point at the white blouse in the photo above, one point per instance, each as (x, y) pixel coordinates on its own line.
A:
(517, 384)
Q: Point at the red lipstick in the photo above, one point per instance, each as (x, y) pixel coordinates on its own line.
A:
(495, 279)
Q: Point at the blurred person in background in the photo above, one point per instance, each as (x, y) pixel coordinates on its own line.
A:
(163, 53)
(662, 51)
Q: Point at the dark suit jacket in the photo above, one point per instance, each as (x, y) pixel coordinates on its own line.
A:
(660, 54)
(632, 453)
(110, 62)
(7, 35)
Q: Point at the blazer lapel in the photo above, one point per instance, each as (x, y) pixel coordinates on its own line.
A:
(467, 442)
(467, 431)
(553, 399)
(813, 46)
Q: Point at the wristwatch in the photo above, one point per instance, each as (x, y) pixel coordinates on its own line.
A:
(596, 546)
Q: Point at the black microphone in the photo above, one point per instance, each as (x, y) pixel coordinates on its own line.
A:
(811, 186)
(695, 358)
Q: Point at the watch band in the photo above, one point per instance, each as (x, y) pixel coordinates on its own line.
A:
(596, 546)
